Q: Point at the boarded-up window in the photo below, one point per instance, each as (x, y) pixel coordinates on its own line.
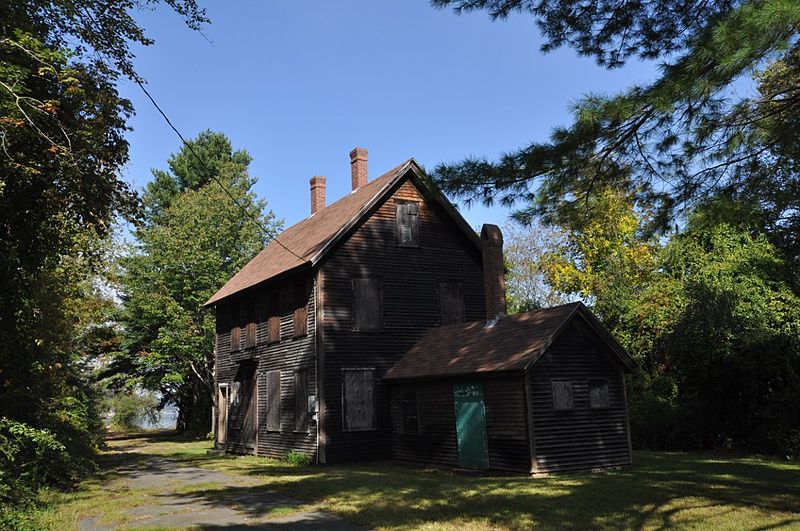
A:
(236, 334)
(367, 304)
(410, 411)
(451, 302)
(562, 394)
(300, 310)
(598, 393)
(273, 400)
(407, 221)
(250, 335)
(274, 319)
(358, 399)
(301, 400)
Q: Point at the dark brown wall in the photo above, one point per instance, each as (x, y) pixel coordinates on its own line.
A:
(580, 438)
(506, 424)
(287, 355)
(411, 305)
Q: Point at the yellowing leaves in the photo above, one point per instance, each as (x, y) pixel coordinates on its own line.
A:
(605, 256)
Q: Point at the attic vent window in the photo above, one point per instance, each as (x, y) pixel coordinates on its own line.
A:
(562, 394)
(407, 221)
(598, 393)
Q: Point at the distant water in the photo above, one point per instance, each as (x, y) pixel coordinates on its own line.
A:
(167, 420)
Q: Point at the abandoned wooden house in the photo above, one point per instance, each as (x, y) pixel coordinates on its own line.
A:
(376, 328)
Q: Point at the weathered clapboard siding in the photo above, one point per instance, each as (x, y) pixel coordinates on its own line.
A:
(579, 438)
(506, 423)
(410, 278)
(436, 441)
(287, 355)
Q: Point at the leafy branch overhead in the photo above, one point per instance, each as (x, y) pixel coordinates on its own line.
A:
(684, 136)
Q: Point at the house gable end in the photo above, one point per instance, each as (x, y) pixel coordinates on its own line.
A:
(595, 327)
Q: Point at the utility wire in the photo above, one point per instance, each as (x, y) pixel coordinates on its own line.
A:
(211, 174)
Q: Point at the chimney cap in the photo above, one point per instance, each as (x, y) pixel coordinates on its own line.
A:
(491, 234)
(358, 152)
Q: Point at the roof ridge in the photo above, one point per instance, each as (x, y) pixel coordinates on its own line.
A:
(304, 242)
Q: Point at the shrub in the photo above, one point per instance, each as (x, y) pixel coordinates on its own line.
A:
(31, 458)
(298, 458)
(131, 410)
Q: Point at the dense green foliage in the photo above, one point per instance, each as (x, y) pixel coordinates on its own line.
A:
(711, 317)
(193, 240)
(62, 125)
(718, 337)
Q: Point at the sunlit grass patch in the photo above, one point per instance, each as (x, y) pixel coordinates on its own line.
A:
(663, 489)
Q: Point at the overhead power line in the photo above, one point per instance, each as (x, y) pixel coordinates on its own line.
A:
(244, 210)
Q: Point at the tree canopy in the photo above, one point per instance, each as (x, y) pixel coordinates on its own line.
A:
(62, 144)
(682, 137)
(195, 238)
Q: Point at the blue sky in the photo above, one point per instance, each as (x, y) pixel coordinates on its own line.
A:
(299, 84)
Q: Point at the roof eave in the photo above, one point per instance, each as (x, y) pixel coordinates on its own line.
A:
(213, 301)
(462, 374)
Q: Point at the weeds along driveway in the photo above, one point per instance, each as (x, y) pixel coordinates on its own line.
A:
(151, 491)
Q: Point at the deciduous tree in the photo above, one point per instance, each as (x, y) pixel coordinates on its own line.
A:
(195, 239)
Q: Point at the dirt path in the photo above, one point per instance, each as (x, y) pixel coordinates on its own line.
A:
(185, 497)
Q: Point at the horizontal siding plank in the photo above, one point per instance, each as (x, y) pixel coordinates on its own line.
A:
(579, 438)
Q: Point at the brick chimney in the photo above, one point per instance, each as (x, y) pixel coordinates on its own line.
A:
(317, 193)
(358, 167)
(494, 283)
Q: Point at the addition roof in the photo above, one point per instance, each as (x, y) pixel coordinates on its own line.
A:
(307, 242)
(513, 343)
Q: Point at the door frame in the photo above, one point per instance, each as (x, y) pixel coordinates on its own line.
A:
(223, 401)
(482, 402)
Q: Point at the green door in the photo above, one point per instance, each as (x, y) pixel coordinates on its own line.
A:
(473, 451)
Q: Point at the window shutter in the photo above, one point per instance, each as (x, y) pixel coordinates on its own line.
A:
(562, 394)
(451, 300)
(274, 320)
(367, 304)
(273, 400)
(410, 411)
(407, 223)
(598, 393)
(250, 335)
(235, 339)
(300, 317)
(358, 399)
(301, 400)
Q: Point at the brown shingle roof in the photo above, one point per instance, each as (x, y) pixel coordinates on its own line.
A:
(308, 238)
(512, 344)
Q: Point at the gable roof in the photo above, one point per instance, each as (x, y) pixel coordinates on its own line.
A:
(310, 240)
(514, 343)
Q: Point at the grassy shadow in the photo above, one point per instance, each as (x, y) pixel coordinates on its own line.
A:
(663, 490)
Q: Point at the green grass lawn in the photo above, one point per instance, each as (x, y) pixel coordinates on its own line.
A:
(661, 490)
